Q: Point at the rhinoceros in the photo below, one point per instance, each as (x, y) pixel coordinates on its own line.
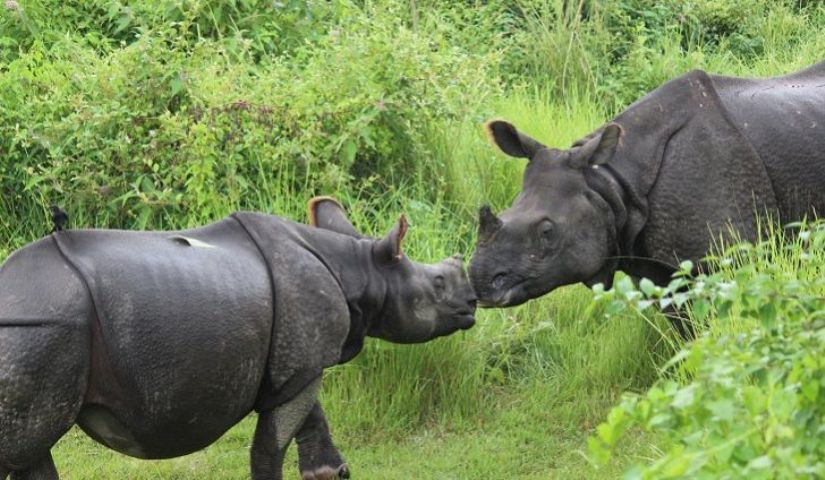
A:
(156, 343)
(700, 156)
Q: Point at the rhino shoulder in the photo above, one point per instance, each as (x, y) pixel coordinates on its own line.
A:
(311, 316)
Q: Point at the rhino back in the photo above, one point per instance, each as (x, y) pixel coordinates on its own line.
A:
(181, 338)
(784, 119)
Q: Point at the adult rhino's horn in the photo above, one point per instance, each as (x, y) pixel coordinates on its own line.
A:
(488, 223)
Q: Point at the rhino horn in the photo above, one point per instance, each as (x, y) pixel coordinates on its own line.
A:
(488, 223)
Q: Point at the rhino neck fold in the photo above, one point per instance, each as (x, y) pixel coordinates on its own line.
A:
(612, 189)
(350, 261)
(628, 213)
(648, 125)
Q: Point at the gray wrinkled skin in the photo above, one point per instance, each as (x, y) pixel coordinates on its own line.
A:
(156, 343)
(655, 186)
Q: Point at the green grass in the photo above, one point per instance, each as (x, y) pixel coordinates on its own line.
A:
(510, 448)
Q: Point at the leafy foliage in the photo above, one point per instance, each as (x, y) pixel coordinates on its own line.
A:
(748, 397)
(164, 126)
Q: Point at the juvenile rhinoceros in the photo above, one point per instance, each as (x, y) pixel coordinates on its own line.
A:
(156, 343)
(655, 185)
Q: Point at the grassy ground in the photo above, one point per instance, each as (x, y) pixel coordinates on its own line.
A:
(510, 446)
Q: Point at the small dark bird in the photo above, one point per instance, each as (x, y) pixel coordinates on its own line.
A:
(59, 218)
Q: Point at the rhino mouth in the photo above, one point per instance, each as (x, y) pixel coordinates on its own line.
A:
(465, 319)
(519, 292)
(510, 297)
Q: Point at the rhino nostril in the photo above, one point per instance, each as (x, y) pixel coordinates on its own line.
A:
(499, 280)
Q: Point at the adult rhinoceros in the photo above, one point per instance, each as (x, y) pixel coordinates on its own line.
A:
(156, 343)
(654, 186)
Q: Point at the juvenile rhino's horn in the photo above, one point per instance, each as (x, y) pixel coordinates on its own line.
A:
(488, 223)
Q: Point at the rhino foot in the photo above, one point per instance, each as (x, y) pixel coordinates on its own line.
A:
(322, 463)
(318, 459)
(325, 472)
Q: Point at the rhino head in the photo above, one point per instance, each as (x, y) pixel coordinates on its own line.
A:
(560, 229)
(411, 302)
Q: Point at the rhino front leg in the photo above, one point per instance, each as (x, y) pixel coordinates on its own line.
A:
(276, 428)
(43, 470)
(680, 322)
(318, 458)
(3, 473)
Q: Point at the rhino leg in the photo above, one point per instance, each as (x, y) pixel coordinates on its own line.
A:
(680, 322)
(3, 473)
(45, 313)
(43, 377)
(677, 317)
(42, 470)
(318, 459)
(276, 428)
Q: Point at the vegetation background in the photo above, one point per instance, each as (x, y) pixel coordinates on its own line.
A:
(159, 114)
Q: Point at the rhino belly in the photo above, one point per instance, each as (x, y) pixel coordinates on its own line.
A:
(122, 431)
(181, 341)
(163, 411)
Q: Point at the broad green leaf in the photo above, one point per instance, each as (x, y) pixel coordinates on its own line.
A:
(348, 151)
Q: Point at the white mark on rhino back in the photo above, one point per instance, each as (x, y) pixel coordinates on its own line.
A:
(190, 242)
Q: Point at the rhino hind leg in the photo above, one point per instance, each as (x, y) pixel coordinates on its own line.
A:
(4, 473)
(45, 314)
(318, 458)
(267, 456)
(43, 377)
(42, 470)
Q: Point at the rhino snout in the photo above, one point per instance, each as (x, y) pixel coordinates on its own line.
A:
(490, 288)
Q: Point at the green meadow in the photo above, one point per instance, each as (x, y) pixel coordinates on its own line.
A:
(168, 114)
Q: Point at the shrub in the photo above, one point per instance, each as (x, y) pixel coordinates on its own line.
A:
(260, 28)
(166, 126)
(747, 398)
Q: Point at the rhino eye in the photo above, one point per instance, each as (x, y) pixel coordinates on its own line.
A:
(547, 229)
(438, 284)
(547, 233)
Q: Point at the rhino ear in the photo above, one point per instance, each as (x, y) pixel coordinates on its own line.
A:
(388, 249)
(327, 213)
(510, 141)
(599, 149)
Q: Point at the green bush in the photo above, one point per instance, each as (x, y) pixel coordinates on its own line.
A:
(259, 28)
(747, 399)
(164, 126)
